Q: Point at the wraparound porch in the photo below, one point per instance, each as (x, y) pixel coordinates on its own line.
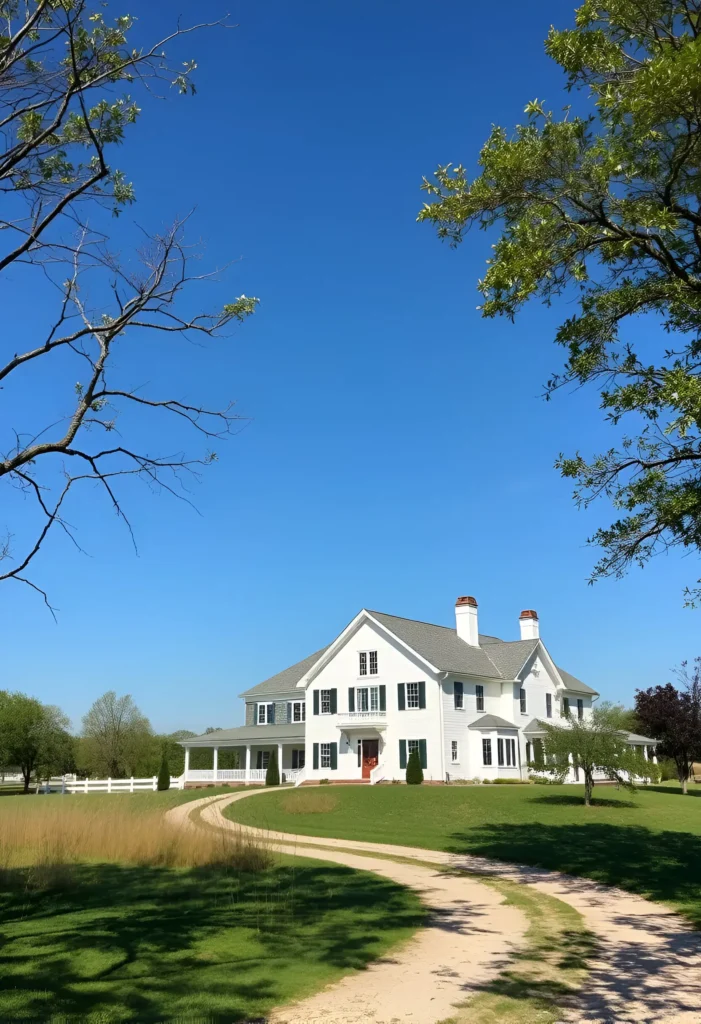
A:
(246, 762)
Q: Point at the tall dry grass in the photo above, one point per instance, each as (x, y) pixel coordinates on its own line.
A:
(58, 832)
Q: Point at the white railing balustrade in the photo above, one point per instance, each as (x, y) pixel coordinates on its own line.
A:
(292, 774)
(377, 774)
(301, 776)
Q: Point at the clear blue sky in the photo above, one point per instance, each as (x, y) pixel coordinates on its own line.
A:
(398, 453)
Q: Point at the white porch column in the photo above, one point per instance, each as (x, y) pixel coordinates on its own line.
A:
(279, 760)
(215, 762)
(248, 762)
(187, 762)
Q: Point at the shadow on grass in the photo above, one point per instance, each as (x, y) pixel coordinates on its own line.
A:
(694, 789)
(572, 800)
(661, 865)
(148, 944)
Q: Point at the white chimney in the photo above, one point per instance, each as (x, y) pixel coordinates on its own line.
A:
(528, 621)
(466, 620)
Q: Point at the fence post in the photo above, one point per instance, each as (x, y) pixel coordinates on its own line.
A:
(63, 786)
(109, 784)
(131, 785)
(155, 783)
(85, 789)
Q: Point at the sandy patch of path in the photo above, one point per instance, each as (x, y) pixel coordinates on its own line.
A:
(648, 968)
(469, 939)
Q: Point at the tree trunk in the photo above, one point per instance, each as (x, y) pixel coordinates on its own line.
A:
(684, 782)
(588, 787)
(27, 777)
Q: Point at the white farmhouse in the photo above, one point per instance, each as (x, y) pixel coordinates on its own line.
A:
(471, 705)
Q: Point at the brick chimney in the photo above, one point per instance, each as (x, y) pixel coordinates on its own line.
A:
(466, 620)
(528, 621)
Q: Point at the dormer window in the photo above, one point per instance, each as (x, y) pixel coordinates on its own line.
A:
(367, 663)
(266, 714)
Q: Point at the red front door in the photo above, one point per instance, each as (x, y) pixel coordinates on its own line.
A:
(371, 755)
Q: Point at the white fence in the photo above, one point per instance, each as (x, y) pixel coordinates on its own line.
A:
(69, 784)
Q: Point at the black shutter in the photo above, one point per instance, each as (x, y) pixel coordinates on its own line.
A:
(334, 754)
(316, 702)
(383, 698)
(422, 754)
(401, 699)
(422, 694)
(334, 701)
(500, 753)
(271, 714)
(294, 760)
(315, 756)
(457, 694)
(402, 753)
(360, 752)
(351, 698)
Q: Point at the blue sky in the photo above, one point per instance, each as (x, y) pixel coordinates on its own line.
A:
(398, 452)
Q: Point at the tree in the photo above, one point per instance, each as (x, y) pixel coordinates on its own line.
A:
(604, 208)
(164, 772)
(61, 64)
(33, 737)
(414, 771)
(674, 718)
(272, 775)
(594, 744)
(117, 735)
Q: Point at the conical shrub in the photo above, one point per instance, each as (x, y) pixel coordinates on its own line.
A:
(414, 771)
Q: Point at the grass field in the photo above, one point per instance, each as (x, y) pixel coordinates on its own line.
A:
(648, 842)
(106, 916)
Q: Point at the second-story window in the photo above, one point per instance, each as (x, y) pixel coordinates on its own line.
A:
(548, 705)
(266, 714)
(566, 707)
(479, 697)
(367, 663)
(522, 700)
(326, 703)
(580, 709)
(367, 698)
(458, 695)
(298, 711)
(412, 695)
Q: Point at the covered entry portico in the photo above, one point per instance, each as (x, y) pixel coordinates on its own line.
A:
(254, 745)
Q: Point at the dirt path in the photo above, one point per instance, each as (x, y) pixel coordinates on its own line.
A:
(648, 968)
(470, 937)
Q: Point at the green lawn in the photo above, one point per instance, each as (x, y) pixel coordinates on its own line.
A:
(147, 944)
(648, 842)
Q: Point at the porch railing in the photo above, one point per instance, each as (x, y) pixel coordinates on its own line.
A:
(377, 774)
(225, 775)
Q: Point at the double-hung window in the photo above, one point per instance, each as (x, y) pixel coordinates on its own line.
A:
(411, 746)
(522, 700)
(367, 698)
(458, 695)
(266, 714)
(262, 759)
(297, 759)
(548, 705)
(454, 752)
(566, 707)
(479, 699)
(298, 712)
(412, 696)
(324, 754)
(506, 750)
(580, 709)
(486, 752)
(367, 663)
(325, 700)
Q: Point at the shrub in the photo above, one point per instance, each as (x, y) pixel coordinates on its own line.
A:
(509, 782)
(164, 771)
(414, 771)
(324, 782)
(272, 776)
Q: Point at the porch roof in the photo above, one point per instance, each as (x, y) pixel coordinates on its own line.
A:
(256, 735)
(492, 722)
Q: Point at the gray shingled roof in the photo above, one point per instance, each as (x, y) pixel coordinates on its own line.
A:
(633, 737)
(576, 685)
(443, 648)
(284, 681)
(492, 722)
(257, 734)
(534, 728)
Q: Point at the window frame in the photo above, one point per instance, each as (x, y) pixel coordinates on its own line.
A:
(454, 752)
(566, 709)
(264, 757)
(268, 719)
(506, 752)
(548, 705)
(523, 700)
(296, 752)
(410, 706)
(580, 709)
(323, 701)
(487, 759)
(302, 706)
(368, 664)
(479, 697)
(458, 695)
(323, 756)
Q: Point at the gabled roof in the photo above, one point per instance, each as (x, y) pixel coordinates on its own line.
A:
(441, 647)
(284, 681)
(575, 685)
(492, 722)
(259, 735)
